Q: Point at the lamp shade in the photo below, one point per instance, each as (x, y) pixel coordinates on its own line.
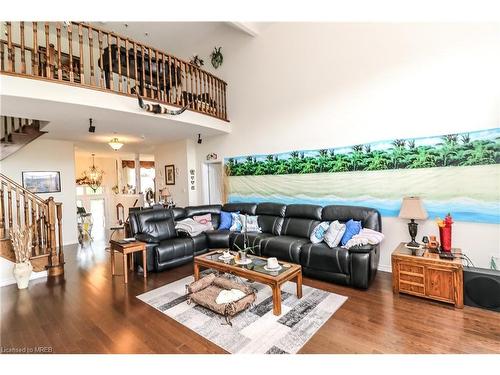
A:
(165, 192)
(115, 144)
(412, 208)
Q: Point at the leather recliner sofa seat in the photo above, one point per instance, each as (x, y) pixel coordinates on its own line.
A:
(285, 233)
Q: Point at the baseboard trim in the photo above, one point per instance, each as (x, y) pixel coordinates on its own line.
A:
(11, 280)
(384, 268)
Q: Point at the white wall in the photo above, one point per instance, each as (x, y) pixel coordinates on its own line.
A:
(49, 155)
(174, 153)
(311, 85)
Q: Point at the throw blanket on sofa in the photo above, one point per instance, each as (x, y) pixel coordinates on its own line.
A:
(192, 227)
(365, 237)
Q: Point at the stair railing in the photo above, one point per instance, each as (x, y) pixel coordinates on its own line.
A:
(22, 208)
(84, 55)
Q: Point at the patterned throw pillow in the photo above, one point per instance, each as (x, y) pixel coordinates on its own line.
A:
(352, 228)
(252, 224)
(236, 222)
(225, 220)
(334, 233)
(203, 219)
(318, 232)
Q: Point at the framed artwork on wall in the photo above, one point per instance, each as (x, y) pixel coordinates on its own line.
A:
(42, 182)
(170, 174)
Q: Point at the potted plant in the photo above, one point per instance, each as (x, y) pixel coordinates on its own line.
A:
(21, 243)
(242, 252)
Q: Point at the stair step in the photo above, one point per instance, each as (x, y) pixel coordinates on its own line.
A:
(17, 141)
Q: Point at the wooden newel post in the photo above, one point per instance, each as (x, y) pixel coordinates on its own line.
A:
(59, 229)
(54, 268)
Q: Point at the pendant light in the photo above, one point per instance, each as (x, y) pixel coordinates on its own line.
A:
(115, 144)
(93, 176)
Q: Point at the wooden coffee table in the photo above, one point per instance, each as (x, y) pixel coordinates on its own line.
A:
(254, 271)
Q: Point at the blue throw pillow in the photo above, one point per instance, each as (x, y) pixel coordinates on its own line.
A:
(225, 220)
(352, 228)
(319, 231)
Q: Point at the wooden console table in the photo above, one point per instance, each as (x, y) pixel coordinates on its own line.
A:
(428, 276)
(126, 249)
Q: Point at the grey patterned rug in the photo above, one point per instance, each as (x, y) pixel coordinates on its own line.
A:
(255, 330)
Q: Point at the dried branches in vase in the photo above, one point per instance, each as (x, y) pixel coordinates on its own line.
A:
(21, 243)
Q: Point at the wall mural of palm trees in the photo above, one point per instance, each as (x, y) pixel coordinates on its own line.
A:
(455, 172)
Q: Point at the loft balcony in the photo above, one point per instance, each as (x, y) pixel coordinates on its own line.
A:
(82, 55)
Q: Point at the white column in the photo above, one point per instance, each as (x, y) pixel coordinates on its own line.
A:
(137, 165)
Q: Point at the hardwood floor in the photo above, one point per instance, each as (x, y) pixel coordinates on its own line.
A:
(91, 312)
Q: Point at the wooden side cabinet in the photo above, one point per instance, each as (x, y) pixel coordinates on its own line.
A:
(427, 276)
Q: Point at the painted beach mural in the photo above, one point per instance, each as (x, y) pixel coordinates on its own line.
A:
(456, 173)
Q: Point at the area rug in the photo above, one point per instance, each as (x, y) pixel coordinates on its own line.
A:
(256, 330)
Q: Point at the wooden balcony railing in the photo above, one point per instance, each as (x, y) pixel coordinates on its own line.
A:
(86, 56)
(21, 208)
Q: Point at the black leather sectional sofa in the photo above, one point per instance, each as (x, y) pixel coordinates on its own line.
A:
(286, 230)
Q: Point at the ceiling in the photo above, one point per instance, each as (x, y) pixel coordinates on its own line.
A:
(140, 132)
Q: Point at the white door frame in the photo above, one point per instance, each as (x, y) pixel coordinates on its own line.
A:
(204, 178)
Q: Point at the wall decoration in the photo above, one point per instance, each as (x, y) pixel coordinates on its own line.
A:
(192, 179)
(160, 109)
(170, 174)
(42, 182)
(216, 57)
(212, 156)
(456, 173)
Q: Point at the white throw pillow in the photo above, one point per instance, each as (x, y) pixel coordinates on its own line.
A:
(318, 232)
(252, 224)
(236, 223)
(334, 233)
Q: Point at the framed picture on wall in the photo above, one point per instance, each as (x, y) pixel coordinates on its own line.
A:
(170, 174)
(42, 182)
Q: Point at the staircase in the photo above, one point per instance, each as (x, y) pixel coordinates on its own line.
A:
(19, 207)
(17, 133)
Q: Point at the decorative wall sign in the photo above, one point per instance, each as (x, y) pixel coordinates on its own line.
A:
(192, 178)
(212, 156)
(42, 182)
(170, 174)
(457, 173)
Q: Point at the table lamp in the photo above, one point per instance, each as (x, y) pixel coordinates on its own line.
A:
(165, 195)
(412, 208)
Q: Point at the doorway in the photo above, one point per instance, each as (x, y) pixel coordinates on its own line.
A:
(212, 183)
(98, 216)
(94, 202)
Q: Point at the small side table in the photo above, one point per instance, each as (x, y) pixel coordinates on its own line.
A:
(428, 276)
(126, 249)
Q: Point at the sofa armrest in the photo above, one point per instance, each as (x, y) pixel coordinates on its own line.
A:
(144, 237)
(182, 234)
(362, 249)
